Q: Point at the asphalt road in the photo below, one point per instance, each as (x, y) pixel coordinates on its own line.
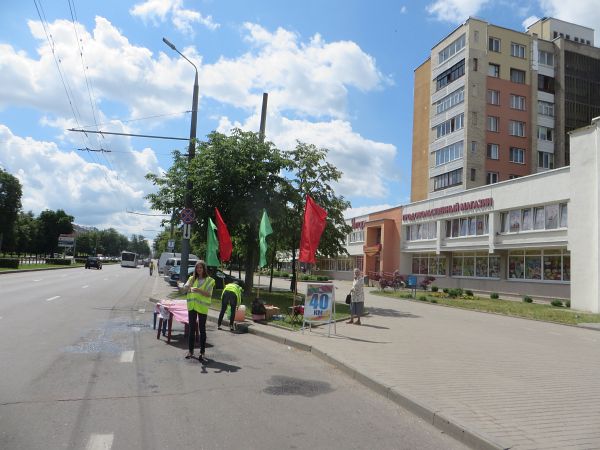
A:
(82, 369)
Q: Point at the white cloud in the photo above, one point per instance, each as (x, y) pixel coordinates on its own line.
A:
(528, 21)
(94, 194)
(159, 10)
(582, 12)
(455, 11)
(403, 9)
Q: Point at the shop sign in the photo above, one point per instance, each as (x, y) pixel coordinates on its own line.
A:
(358, 225)
(455, 208)
(371, 250)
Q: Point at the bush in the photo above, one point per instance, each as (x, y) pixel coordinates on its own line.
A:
(80, 260)
(322, 278)
(434, 288)
(407, 295)
(433, 300)
(469, 293)
(568, 303)
(58, 261)
(285, 274)
(9, 263)
(446, 290)
(453, 293)
(494, 295)
(557, 303)
(423, 298)
(527, 299)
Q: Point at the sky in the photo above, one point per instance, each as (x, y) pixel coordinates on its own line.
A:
(339, 74)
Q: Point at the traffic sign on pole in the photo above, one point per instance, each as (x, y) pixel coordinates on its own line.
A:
(187, 231)
(171, 244)
(187, 215)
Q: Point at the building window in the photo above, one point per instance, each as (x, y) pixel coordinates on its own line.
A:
(450, 153)
(517, 155)
(493, 123)
(548, 217)
(450, 126)
(546, 58)
(473, 174)
(493, 97)
(482, 265)
(494, 70)
(428, 264)
(493, 151)
(494, 44)
(450, 75)
(492, 177)
(516, 128)
(545, 84)
(452, 49)
(545, 160)
(517, 102)
(545, 133)
(467, 226)
(539, 264)
(517, 76)
(421, 231)
(545, 108)
(447, 180)
(475, 64)
(517, 50)
(356, 236)
(450, 100)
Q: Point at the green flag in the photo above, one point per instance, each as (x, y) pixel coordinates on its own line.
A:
(212, 245)
(264, 231)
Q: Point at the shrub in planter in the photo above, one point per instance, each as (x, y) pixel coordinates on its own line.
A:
(434, 288)
(446, 290)
(453, 293)
(527, 299)
(9, 263)
(557, 303)
(322, 278)
(494, 295)
(469, 293)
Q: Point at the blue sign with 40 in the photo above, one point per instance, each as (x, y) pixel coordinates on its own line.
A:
(319, 299)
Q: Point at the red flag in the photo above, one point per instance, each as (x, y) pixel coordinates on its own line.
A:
(224, 238)
(312, 228)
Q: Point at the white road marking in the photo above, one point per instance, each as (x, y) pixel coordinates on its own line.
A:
(137, 329)
(52, 298)
(85, 287)
(100, 442)
(142, 310)
(127, 356)
(37, 280)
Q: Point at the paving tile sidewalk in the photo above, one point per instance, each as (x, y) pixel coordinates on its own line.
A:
(490, 381)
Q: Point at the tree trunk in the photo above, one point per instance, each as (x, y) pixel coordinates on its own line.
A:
(250, 261)
(272, 264)
(293, 282)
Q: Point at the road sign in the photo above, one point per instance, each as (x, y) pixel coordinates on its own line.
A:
(171, 244)
(187, 215)
(66, 240)
(187, 231)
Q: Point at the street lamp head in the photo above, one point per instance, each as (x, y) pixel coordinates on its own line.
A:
(166, 41)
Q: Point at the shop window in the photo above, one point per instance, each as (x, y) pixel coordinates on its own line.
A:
(526, 220)
(541, 264)
(469, 266)
(551, 213)
(515, 221)
(481, 266)
(472, 226)
(538, 218)
(464, 227)
(515, 266)
(533, 267)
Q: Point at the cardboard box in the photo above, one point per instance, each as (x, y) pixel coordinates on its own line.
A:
(271, 311)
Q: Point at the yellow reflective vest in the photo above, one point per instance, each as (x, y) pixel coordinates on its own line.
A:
(237, 290)
(196, 301)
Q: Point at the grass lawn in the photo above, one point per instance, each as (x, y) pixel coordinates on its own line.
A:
(281, 299)
(537, 311)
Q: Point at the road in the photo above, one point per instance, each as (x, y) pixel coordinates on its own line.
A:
(82, 368)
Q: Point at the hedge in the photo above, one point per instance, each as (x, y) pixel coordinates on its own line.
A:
(10, 263)
(58, 261)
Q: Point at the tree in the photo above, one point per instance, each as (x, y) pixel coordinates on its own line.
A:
(10, 204)
(240, 175)
(313, 175)
(26, 233)
(51, 225)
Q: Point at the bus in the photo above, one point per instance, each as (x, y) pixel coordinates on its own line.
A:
(129, 259)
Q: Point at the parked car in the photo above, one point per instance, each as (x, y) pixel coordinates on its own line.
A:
(221, 278)
(93, 261)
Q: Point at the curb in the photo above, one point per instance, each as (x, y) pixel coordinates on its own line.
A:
(459, 432)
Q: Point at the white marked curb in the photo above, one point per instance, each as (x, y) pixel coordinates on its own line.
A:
(100, 442)
(127, 356)
(52, 298)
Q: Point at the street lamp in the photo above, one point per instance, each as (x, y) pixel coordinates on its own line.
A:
(185, 243)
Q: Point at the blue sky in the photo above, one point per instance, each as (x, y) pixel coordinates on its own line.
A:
(339, 75)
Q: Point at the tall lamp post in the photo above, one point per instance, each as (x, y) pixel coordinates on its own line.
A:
(185, 243)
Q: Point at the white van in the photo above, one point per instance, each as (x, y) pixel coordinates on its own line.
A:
(170, 261)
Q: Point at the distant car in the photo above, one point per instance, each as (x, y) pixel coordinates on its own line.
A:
(93, 261)
(221, 278)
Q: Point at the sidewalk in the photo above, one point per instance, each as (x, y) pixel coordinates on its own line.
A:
(490, 381)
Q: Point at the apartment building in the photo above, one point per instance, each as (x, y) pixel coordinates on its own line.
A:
(493, 104)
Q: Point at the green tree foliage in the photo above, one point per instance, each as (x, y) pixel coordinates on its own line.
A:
(10, 204)
(51, 224)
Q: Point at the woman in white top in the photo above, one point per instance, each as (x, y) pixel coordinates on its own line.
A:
(357, 303)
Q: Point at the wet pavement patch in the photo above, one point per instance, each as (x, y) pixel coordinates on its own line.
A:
(282, 385)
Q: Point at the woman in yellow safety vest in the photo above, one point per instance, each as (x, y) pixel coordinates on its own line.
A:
(199, 289)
